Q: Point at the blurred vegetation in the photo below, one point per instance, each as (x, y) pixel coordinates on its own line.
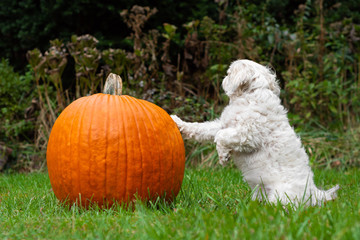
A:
(29, 24)
(178, 62)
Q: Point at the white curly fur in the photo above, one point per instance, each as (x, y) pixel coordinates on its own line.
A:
(255, 130)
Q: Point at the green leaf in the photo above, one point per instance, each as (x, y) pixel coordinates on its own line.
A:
(333, 109)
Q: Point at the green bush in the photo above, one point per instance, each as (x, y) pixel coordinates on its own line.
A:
(17, 112)
(178, 61)
(31, 24)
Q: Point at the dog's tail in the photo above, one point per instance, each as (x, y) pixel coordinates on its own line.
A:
(320, 196)
(331, 193)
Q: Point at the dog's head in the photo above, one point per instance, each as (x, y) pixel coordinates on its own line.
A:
(246, 76)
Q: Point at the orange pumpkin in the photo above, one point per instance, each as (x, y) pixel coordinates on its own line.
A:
(105, 148)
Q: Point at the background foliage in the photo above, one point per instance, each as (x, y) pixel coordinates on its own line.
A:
(63, 51)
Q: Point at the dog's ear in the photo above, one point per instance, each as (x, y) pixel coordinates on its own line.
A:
(274, 86)
(246, 75)
(272, 80)
(238, 78)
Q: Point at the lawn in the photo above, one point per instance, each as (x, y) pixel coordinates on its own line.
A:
(213, 204)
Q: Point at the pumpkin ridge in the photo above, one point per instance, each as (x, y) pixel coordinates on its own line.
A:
(70, 161)
(130, 104)
(118, 140)
(106, 146)
(91, 165)
(112, 145)
(126, 194)
(87, 183)
(57, 128)
(146, 104)
(145, 109)
(179, 154)
(163, 117)
(60, 150)
(150, 144)
(64, 153)
(83, 107)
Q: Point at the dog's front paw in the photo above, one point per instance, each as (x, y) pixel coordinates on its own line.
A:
(178, 121)
(224, 153)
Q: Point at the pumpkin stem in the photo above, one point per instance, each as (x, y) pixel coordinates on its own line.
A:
(113, 85)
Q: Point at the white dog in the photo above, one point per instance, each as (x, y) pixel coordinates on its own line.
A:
(255, 130)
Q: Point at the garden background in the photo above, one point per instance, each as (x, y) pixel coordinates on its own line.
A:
(175, 54)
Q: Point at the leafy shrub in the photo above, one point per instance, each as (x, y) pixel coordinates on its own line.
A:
(180, 66)
(31, 24)
(18, 118)
(16, 94)
(321, 75)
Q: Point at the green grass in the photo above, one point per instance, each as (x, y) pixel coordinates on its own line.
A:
(213, 204)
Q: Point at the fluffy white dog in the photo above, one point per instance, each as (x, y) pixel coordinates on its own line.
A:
(255, 130)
